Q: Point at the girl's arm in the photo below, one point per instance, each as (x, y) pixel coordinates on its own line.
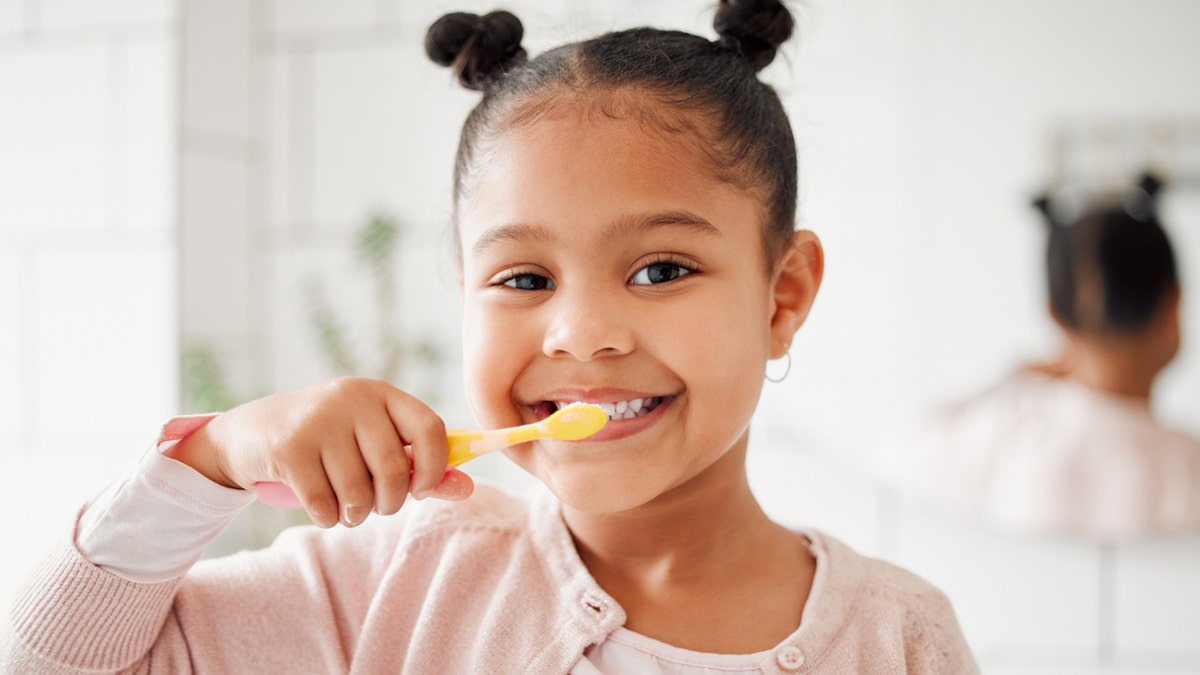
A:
(129, 608)
(102, 602)
(155, 524)
(293, 607)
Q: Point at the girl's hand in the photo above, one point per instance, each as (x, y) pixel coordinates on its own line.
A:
(339, 445)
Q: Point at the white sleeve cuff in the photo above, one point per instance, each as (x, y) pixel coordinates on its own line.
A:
(153, 525)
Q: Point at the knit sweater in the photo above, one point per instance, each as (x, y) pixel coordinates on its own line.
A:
(489, 585)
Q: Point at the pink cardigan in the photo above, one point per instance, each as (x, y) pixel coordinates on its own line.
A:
(490, 585)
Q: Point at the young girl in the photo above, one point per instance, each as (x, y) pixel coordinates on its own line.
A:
(624, 210)
(1070, 446)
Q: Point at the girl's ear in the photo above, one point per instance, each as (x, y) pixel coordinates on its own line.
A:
(794, 287)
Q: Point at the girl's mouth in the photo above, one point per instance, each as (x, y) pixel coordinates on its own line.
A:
(617, 410)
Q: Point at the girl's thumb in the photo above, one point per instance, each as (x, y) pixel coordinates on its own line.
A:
(455, 486)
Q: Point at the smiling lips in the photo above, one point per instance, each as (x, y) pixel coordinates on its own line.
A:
(621, 410)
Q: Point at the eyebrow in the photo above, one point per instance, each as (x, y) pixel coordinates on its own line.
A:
(530, 233)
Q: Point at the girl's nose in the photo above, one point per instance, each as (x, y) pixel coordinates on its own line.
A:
(586, 329)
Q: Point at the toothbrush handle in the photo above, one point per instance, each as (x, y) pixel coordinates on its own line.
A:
(465, 445)
(274, 493)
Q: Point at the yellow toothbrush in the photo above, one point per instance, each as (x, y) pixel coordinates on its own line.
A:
(569, 423)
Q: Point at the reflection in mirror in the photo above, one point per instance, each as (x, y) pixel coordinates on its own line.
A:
(1070, 444)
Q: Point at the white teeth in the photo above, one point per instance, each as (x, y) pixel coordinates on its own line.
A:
(620, 410)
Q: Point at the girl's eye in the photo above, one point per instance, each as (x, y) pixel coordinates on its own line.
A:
(530, 282)
(659, 273)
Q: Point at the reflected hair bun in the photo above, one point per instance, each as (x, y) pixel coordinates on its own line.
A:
(479, 49)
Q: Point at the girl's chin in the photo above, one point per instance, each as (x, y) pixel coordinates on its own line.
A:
(597, 495)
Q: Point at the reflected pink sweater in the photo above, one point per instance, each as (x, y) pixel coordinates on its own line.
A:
(490, 585)
(1033, 454)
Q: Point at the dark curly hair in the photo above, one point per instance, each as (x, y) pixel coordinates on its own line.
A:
(708, 88)
(1111, 269)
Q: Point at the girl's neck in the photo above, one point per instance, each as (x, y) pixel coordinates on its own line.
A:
(1112, 367)
(701, 567)
(690, 527)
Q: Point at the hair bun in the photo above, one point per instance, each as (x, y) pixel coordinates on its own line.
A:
(753, 28)
(1142, 202)
(1045, 206)
(478, 48)
(1150, 184)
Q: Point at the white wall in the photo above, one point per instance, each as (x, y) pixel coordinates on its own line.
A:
(88, 306)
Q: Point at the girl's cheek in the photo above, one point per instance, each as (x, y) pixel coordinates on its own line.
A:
(490, 365)
(475, 345)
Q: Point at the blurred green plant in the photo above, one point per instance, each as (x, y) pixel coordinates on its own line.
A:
(205, 388)
(377, 243)
(203, 382)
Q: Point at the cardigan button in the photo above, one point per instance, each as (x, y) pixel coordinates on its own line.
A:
(594, 603)
(790, 657)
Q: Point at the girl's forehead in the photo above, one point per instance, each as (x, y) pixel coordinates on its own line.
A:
(575, 169)
(687, 131)
(581, 163)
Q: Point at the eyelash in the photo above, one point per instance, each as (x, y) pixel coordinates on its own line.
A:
(514, 274)
(687, 266)
(547, 284)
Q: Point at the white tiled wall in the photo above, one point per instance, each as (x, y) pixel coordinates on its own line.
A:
(384, 133)
(109, 313)
(299, 17)
(12, 17)
(1156, 598)
(88, 306)
(119, 14)
(146, 132)
(216, 271)
(219, 275)
(284, 121)
(12, 392)
(216, 81)
(47, 86)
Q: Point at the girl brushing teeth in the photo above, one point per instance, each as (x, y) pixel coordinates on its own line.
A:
(625, 212)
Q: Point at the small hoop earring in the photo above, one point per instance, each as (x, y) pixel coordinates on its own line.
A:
(787, 369)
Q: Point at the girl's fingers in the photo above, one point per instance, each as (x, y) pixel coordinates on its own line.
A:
(388, 464)
(312, 488)
(344, 456)
(422, 429)
(351, 481)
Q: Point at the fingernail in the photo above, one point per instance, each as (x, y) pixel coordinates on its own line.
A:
(349, 518)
